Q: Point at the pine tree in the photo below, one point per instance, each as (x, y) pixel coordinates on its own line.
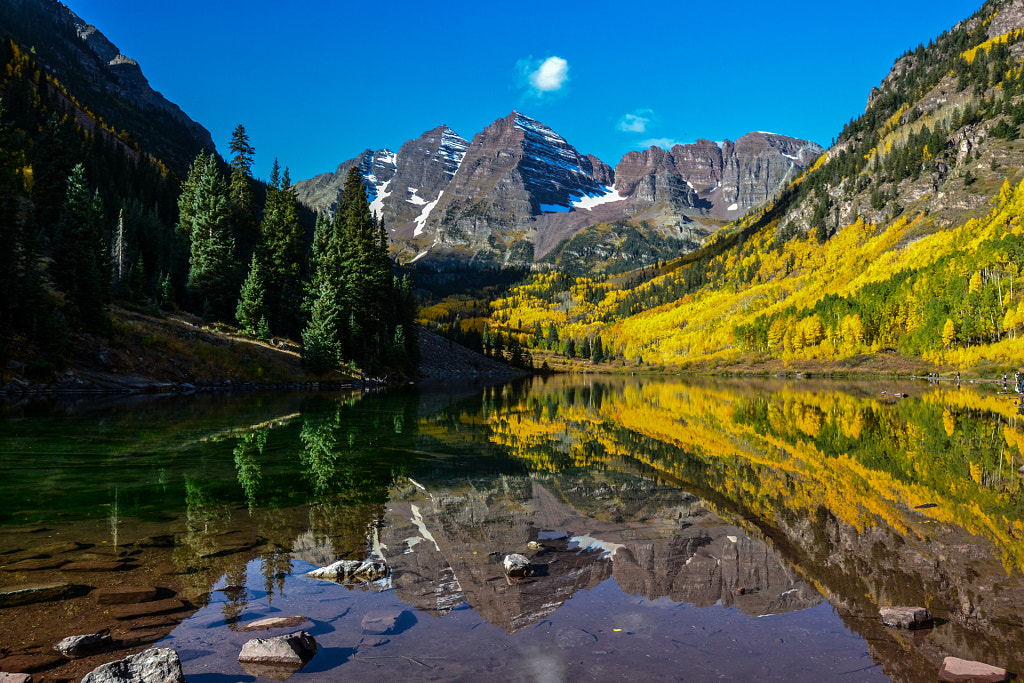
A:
(598, 351)
(18, 280)
(251, 300)
(52, 163)
(283, 251)
(79, 267)
(211, 277)
(243, 203)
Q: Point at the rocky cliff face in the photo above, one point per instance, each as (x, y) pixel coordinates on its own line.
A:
(104, 80)
(519, 189)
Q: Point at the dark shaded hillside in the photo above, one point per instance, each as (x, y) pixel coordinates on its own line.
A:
(105, 82)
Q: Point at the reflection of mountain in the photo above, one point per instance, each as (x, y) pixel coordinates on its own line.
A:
(877, 502)
(445, 547)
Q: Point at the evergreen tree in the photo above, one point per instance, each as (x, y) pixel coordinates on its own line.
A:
(18, 279)
(283, 252)
(79, 267)
(598, 351)
(52, 164)
(211, 277)
(251, 300)
(243, 203)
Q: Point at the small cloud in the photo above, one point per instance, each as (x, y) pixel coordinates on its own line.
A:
(664, 143)
(541, 77)
(637, 122)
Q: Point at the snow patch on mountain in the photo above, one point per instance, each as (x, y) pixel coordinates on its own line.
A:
(590, 201)
(415, 198)
(421, 220)
(382, 193)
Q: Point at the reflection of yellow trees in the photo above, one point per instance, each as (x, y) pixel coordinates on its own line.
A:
(868, 462)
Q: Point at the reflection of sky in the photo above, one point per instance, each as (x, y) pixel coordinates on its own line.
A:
(600, 634)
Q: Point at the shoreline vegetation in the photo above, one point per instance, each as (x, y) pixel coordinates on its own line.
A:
(179, 353)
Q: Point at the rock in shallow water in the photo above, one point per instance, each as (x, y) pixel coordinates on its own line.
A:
(906, 617)
(272, 622)
(74, 647)
(516, 566)
(293, 649)
(352, 571)
(955, 669)
(157, 665)
(29, 594)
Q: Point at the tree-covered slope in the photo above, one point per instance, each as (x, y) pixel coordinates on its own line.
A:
(906, 236)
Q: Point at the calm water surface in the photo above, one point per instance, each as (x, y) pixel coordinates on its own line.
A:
(687, 530)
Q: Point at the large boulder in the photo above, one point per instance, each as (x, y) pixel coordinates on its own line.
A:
(277, 658)
(157, 665)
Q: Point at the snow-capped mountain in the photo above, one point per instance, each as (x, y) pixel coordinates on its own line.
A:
(519, 189)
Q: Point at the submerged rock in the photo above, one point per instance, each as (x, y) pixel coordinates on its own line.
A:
(273, 622)
(906, 617)
(29, 594)
(382, 622)
(517, 566)
(352, 571)
(157, 665)
(955, 669)
(124, 595)
(74, 647)
(277, 658)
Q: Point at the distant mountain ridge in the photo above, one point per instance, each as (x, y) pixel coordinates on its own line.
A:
(518, 189)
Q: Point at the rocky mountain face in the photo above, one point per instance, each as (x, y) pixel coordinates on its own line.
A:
(104, 80)
(519, 189)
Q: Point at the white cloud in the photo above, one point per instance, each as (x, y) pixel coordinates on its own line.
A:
(636, 122)
(543, 77)
(664, 143)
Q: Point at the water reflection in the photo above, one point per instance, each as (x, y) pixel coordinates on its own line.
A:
(761, 498)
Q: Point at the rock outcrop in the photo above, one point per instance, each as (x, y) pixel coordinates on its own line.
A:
(519, 189)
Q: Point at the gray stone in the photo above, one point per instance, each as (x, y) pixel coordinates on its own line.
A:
(517, 566)
(74, 647)
(273, 622)
(294, 649)
(157, 665)
(29, 594)
(15, 678)
(955, 669)
(906, 617)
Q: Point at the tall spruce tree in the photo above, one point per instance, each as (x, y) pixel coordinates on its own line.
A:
(79, 267)
(212, 280)
(19, 280)
(243, 202)
(283, 251)
(252, 309)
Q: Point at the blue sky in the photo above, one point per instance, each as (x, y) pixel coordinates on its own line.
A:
(315, 83)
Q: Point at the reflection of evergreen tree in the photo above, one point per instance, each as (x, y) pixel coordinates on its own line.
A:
(319, 454)
(237, 595)
(247, 464)
(277, 564)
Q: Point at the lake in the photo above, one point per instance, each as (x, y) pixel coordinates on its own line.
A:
(677, 529)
